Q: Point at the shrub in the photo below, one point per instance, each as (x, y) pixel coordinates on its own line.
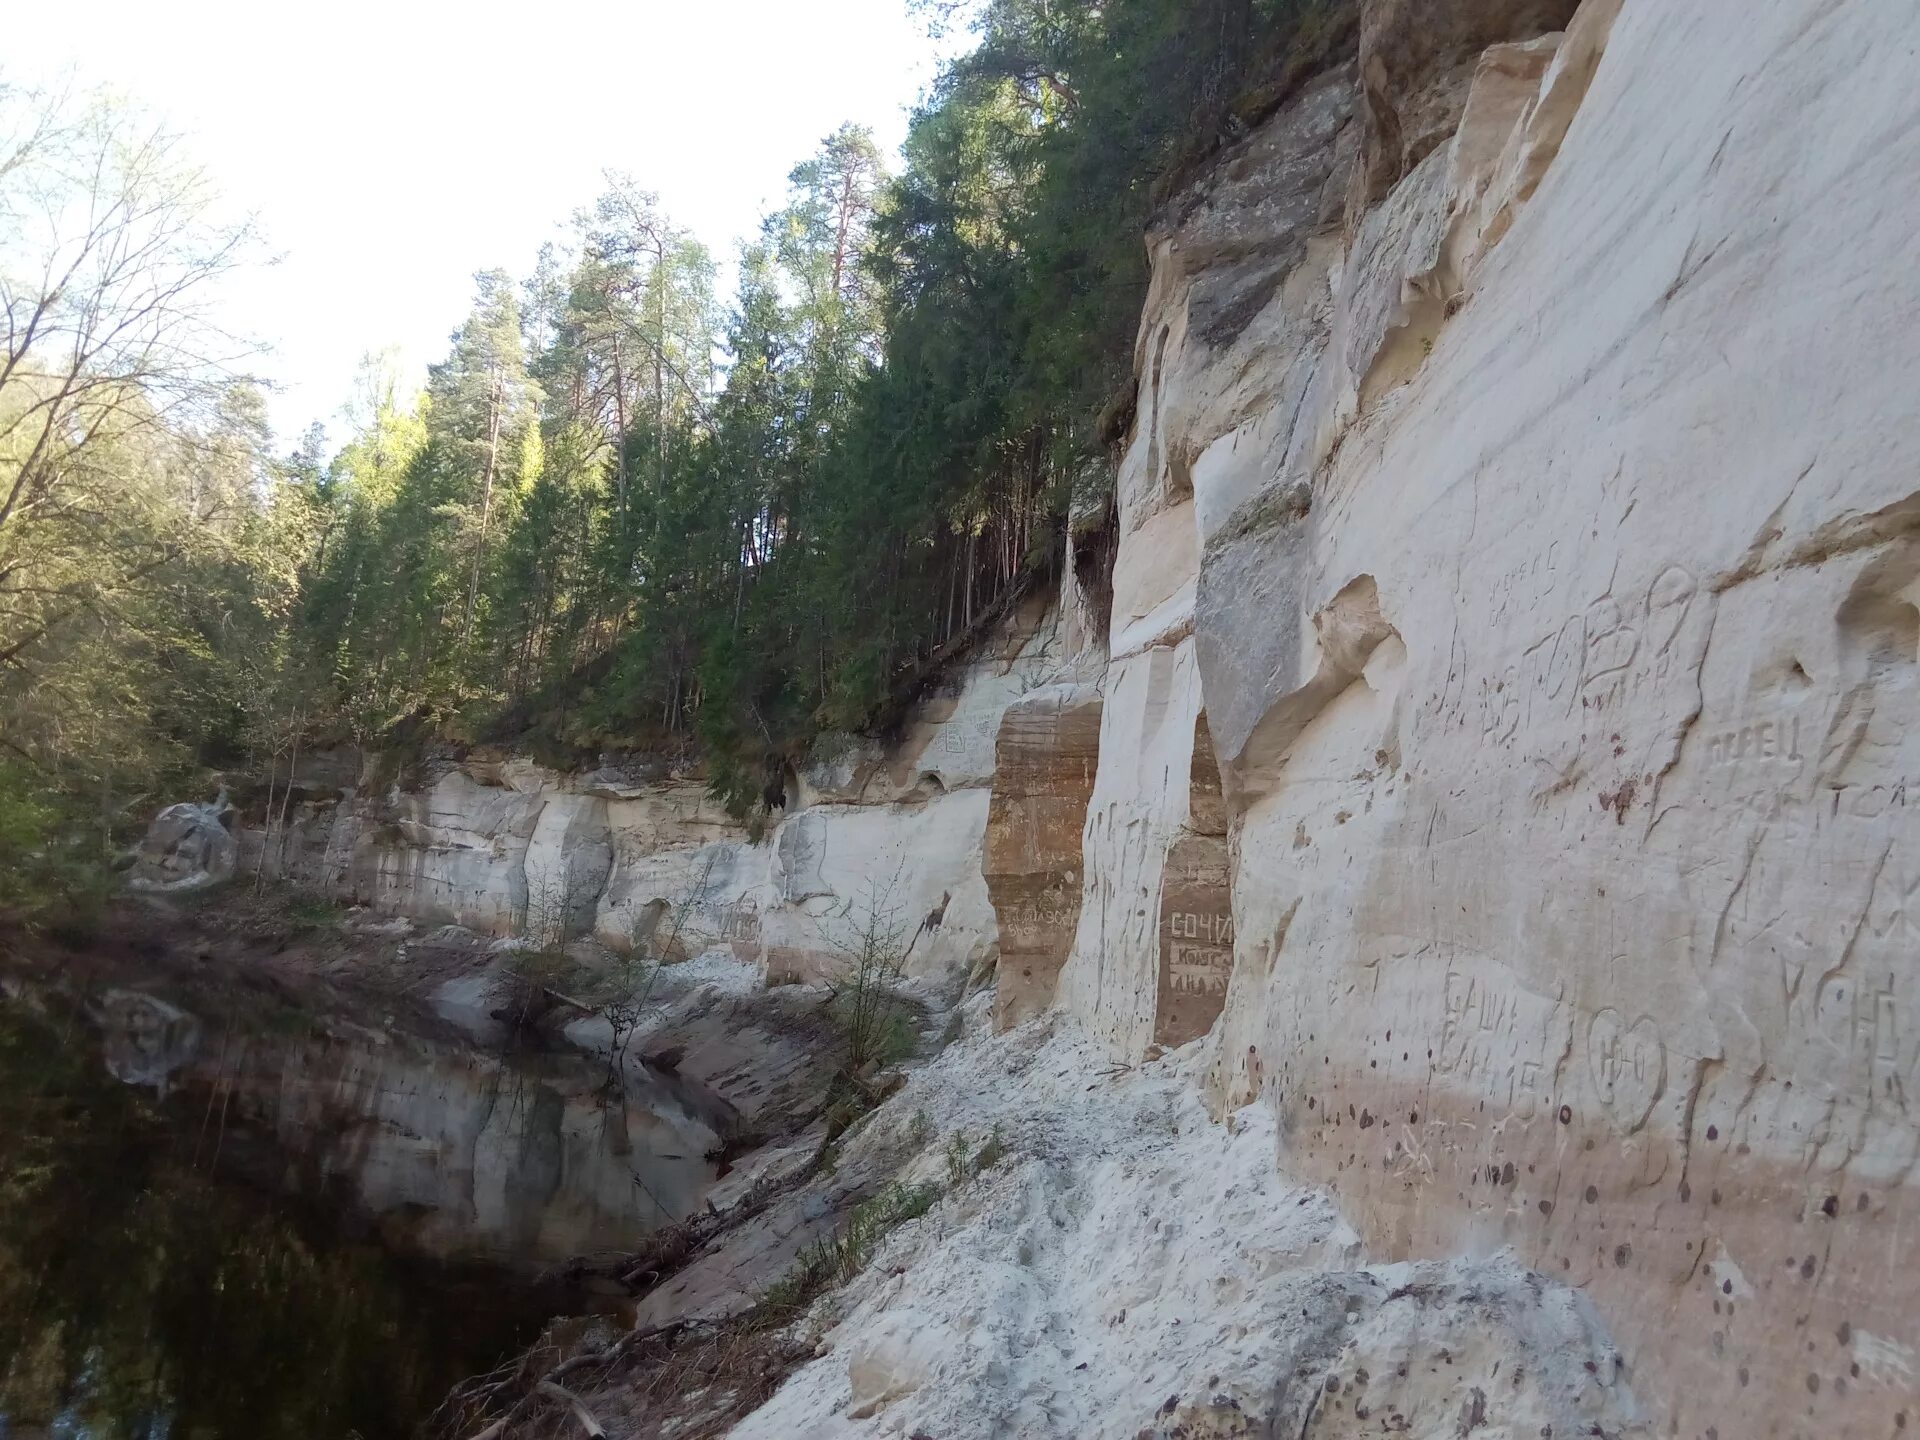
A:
(51, 860)
(991, 1152)
(964, 1162)
(958, 1171)
(830, 1263)
(878, 1025)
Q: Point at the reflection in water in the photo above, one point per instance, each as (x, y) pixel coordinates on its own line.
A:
(526, 1160)
(142, 1294)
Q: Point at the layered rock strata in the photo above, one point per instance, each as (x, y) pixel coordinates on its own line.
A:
(1520, 493)
(1498, 746)
(1049, 748)
(875, 842)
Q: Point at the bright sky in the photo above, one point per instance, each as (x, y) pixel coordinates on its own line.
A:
(390, 150)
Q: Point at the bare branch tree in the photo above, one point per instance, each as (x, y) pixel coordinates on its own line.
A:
(633, 980)
(873, 941)
(113, 365)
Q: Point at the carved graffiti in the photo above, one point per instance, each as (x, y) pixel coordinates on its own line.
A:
(1491, 1039)
(1213, 929)
(1591, 660)
(962, 737)
(801, 849)
(1473, 1011)
(740, 920)
(1863, 1025)
(1199, 969)
(1043, 913)
(1195, 939)
(1772, 740)
(1526, 585)
(1628, 1064)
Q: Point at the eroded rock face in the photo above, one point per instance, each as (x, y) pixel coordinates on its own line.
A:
(188, 847)
(948, 740)
(1238, 302)
(1136, 815)
(1560, 646)
(1418, 59)
(907, 875)
(1196, 908)
(636, 855)
(1048, 751)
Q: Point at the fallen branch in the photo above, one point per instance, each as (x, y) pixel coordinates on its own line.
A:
(595, 1430)
(616, 1351)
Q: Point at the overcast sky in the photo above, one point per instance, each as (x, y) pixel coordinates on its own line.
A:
(389, 150)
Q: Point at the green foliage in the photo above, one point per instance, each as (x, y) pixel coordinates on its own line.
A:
(151, 543)
(588, 535)
(309, 914)
(617, 517)
(877, 1025)
(830, 1263)
(875, 1021)
(991, 1152)
(46, 861)
(959, 1160)
(964, 1162)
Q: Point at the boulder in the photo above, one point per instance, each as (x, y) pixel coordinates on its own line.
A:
(187, 847)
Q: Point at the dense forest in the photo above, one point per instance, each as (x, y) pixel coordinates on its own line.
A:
(625, 511)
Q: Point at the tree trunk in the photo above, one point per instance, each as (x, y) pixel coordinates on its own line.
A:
(620, 431)
(659, 366)
(486, 504)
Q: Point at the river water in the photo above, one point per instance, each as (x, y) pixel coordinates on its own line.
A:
(167, 1272)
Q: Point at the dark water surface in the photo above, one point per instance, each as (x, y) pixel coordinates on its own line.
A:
(147, 1289)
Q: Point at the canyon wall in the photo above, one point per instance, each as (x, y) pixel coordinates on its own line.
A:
(874, 840)
(1498, 750)
(1521, 509)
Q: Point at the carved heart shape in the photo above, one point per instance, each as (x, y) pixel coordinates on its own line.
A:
(1628, 1063)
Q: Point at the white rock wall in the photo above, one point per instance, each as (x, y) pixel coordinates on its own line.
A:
(1557, 619)
(877, 841)
(1140, 804)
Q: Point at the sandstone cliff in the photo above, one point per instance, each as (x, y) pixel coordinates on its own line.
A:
(1518, 507)
(1496, 766)
(869, 834)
